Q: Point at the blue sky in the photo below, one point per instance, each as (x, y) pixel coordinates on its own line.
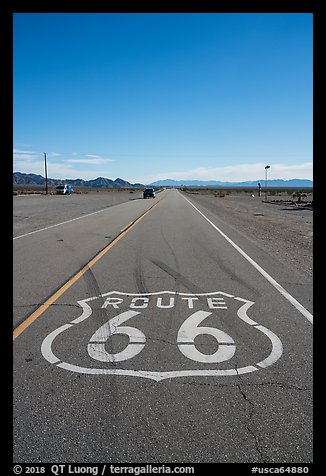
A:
(148, 96)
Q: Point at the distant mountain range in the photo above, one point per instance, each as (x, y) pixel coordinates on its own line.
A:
(213, 183)
(20, 178)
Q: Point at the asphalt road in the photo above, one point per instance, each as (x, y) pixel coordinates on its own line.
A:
(178, 340)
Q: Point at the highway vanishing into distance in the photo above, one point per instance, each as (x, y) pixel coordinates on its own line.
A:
(153, 331)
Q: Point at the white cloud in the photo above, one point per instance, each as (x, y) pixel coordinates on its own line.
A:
(29, 168)
(93, 160)
(25, 154)
(57, 170)
(18, 151)
(53, 154)
(240, 172)
(88, 166)
(30, 161)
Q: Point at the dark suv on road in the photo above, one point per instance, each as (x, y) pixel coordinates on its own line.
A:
(149, 192)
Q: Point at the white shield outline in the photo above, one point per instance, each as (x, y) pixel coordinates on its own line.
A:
(277, 347)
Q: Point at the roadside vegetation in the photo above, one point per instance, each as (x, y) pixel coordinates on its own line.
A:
(303, 197)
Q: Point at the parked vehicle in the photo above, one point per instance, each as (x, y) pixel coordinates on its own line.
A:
(149, 192)
(64, 189)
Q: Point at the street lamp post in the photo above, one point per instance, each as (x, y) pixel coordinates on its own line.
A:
(267, 167)
(46, 174)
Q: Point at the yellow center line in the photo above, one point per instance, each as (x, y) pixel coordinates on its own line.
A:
(125, 227)
(43, 307)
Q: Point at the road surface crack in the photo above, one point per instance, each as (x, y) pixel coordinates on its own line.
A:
(249, 418)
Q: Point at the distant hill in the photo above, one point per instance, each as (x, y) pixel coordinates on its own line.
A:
(213, 183)
(20, 178)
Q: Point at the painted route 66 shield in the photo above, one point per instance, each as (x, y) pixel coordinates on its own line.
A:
(163, 335)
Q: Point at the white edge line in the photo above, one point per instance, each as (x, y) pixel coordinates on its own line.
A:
(58, 224)
(269, 278)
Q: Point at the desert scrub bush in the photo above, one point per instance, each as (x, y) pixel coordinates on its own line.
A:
(299, 195)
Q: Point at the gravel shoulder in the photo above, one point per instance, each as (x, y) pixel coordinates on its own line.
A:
(282, 229)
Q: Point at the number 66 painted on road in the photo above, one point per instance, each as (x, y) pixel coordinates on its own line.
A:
(188, 331)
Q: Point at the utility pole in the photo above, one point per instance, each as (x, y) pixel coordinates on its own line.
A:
(266, 168)
(46, 174)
